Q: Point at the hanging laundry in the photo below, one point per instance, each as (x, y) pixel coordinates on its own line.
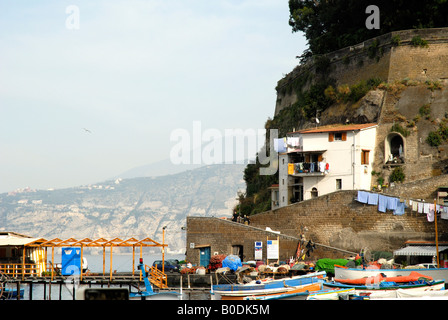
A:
(430, 214)
(290, 168)
(414, 206)
(392, 203)
(373, 199)
(327, 167)
(444, 213)
(293, 141)
(363, 196)
(279, 145)
(382, 203)
(426, 208)
(321, 166)
(312, 167)
(399, 211)
(420, 207)
(299, 166)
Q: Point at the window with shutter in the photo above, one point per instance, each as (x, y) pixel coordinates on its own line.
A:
(365, 156)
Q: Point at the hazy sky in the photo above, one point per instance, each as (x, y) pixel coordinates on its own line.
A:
(130, 72)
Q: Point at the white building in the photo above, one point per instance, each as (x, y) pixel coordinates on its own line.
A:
(323, 160)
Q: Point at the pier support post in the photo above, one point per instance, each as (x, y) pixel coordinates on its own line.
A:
(18, 290)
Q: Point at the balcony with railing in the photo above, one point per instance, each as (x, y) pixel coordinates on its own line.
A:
(308, 169)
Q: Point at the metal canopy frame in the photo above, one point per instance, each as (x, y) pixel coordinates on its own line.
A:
(89, 243)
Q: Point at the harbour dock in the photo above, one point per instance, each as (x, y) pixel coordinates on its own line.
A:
(61, 287)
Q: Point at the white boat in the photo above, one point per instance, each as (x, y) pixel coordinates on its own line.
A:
(386, 288)
(331, 294)
(357, 273)
(401, 294)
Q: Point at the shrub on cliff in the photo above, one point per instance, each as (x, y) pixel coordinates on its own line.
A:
(331, 25)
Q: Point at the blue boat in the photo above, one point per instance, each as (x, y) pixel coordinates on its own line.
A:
(11, 293)
(293, 286)
(273, 284)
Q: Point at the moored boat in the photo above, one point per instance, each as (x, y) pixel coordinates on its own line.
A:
(266, 293)
(282, 296)
(272, 283)
(410, 295)
(331, 294)
(389, 286)
(379, 277)
(11, 293)
(296, 284)
(358, 273)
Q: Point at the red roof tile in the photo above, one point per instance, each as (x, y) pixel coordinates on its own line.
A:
(336, 128)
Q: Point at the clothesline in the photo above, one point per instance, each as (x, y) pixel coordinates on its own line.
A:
(281, 144)
(308, 167)
(398, 205)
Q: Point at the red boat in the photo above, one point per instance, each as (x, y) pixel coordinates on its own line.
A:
(413, 276)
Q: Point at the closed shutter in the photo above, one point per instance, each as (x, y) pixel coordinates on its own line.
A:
(344, 136)
(330, 136)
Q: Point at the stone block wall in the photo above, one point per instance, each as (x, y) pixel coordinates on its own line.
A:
(336, 222)
(339, 221)
(221, 235)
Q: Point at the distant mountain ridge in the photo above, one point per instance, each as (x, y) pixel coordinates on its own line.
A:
(138, 207)
(157, 169)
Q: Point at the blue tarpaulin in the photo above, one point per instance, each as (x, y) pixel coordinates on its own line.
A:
(232, 262)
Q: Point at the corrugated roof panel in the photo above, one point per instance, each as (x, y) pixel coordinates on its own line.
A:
(16, 241)
(419, 251)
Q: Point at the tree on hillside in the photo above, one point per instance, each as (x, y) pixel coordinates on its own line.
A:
(333, 24)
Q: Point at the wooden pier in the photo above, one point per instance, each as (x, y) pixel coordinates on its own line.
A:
(189, 284)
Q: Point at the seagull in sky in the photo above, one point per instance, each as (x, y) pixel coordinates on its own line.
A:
(87, 130)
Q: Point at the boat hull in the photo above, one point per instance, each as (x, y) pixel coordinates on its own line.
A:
(272, 284)
(410, 295)
(413, 276)
(283, 296)
(156, 296)
(437, 285)
(354, 273)
(266, 293)
(330, 294)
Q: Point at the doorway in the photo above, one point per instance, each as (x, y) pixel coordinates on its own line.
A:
(394, 146)
(237, 250)
(204, 256)
(314, 193)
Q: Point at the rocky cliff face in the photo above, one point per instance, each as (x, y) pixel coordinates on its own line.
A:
(138, 207)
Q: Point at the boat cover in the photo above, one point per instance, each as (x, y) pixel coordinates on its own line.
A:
(232, 262)
(327, 265)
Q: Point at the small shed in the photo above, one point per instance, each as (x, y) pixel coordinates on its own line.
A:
(416, 252)
(15, 254)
